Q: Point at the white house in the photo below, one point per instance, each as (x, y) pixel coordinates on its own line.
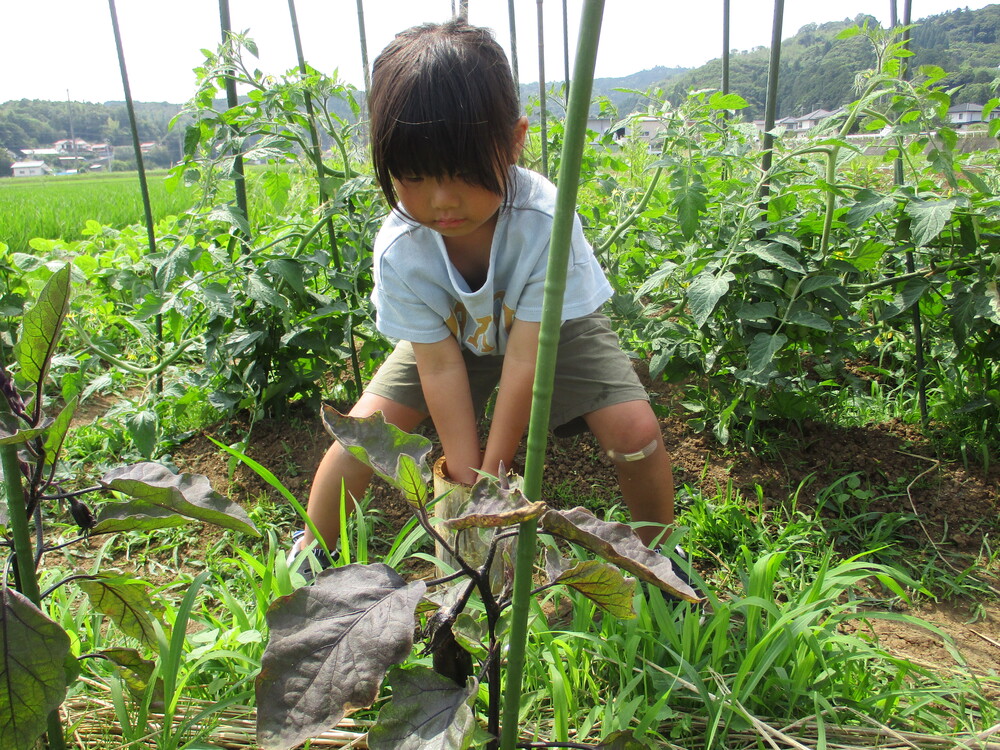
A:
(963, 114)
(30, 168)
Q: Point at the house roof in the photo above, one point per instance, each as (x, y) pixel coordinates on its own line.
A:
(966, 108)
(27, 164)
(816, 114)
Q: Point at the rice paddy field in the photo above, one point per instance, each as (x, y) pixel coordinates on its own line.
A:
(58, 207)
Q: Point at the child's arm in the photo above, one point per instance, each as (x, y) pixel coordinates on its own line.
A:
(445, 383)
(513, 406)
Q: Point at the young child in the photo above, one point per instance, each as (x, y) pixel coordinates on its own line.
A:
(459, 269)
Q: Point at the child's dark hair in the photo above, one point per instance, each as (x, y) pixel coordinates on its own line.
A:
(443, 104)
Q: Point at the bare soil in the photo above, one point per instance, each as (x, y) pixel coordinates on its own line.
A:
(957, 508)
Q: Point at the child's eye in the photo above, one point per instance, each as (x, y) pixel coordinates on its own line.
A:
(411, 179)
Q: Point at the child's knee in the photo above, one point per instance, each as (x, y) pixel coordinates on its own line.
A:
(628, 432)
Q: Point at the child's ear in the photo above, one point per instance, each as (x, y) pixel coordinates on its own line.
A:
(520, 134)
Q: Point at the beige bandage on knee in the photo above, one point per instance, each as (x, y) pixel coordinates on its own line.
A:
(637, 456)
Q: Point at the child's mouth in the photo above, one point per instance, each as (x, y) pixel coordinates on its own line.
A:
(449, 223)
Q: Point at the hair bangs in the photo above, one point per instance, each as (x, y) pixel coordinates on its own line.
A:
(443, 104)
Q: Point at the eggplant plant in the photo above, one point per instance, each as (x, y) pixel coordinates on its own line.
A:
(332, 643)
(36, 656)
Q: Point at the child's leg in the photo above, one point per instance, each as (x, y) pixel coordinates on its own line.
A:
(340, 469)
(629, 434)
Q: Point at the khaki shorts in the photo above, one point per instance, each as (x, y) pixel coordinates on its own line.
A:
(592, 372)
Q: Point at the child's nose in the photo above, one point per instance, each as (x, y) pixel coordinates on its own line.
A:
(445, 194)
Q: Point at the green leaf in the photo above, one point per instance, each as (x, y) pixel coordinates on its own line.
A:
(142, 428)
(977, 182)
(40, 327)
(705, 292)
(330, 646)
(993, 301)
(232, 216)
(118, 517)
(259, 289)
(718, 100)
(810, 319)
(756, 311)
(127, 602)
(398, 457)
(33, 651)
(619, 544)
(813, 283)
(906, 297)
(290, 271)
(155, 487)
(929, 218)
(600, 582)
(868, 204)
(427, 712)
(690, 201)
(218, 300)
(762, 350)
(57, 433)
(773, 254)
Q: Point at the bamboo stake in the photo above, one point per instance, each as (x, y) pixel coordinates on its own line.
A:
(548, 343)
(541, 91)
(232, 100)
(143, 187)
(513, 46)
(771, 105)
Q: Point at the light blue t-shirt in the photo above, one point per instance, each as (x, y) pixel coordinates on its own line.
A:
(421, 297)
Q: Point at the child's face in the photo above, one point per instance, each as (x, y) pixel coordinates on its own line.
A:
(448, 205)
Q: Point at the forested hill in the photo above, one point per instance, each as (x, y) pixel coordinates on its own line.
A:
(818, 70)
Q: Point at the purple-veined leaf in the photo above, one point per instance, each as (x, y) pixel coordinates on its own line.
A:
(600, 582)
(619, 544)
(331, 644)
(427, 712)
(11, 432)
(491, 506)
(398, 457)
(118, 517)
(32, 662)
(136, 673)
(705, 292)
(155, 488)
(127, 602)
(624, 740)
(41, 325)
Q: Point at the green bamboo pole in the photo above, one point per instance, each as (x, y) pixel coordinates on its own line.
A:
(364, 49)
(548, 344)
(565, 20)
(143, 187)
(316, 154)
(239, 182)
(771, 104)
(541, 91)
(513, 46)
(725, 46)
(918, 325)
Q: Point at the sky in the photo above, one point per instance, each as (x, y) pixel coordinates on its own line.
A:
(54, 49)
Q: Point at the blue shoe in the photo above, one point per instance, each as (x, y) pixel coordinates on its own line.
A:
(305, 568)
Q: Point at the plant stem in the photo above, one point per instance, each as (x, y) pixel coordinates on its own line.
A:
(548, 343)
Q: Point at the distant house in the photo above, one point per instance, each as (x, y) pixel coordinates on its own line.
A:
(811, 120)
(963, 114)
(75, 146)
(648, 128)
(30, 168)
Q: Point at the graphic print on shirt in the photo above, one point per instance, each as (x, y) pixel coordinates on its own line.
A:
(480, 334)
